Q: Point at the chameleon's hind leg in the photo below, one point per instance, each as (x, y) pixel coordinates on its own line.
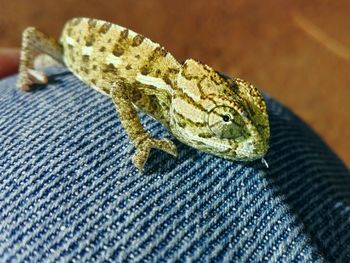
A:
(35, 42)
(131, 123)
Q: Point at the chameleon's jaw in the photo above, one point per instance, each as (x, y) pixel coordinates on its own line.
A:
(244, 151)
(251, 149)
(234, 155)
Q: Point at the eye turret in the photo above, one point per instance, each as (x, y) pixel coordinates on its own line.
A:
(226, 123)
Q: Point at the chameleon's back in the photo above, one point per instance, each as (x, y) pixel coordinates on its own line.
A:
(101, 53)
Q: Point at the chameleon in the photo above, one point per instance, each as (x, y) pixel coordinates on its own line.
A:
(199, 106)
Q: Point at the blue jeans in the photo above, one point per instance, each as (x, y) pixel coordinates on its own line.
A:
(69, 192)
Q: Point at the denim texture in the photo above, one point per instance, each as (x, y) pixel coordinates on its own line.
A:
(69, 192)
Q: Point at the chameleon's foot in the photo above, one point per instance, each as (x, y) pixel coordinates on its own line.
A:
(35, 42)
(140, 157)
(30, 77)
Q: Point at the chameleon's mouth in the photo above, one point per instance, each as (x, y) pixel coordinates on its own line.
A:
(248, 150)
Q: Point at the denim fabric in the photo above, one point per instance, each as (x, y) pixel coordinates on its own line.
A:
(69, 192)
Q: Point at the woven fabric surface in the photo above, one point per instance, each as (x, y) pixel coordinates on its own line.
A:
(69, 192)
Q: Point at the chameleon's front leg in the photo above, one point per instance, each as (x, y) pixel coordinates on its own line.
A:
(131, 123)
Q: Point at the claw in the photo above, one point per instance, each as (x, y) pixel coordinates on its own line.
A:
(31, 77)
(140, 157)
(165, 145)
(37, 76)
(143, 149)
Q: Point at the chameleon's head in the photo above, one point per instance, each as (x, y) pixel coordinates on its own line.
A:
(216, 114)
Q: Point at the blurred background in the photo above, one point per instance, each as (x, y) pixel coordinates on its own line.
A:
(296, 51)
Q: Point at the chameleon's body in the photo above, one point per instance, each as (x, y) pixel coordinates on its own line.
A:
(200, 107)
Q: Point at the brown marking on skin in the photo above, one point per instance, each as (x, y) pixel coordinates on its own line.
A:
(109, 40)
(182, 124)
(110, 68)
(89, 40)
(216, 78)
(205, 135)
(167, 79)
(128, 67)
(118, 50)
(233, 85)
(124, 34)
(200, 143)
(200, 88)
(135, 95)
(190, 101)
(94, 67)
(145, 70)
(92, 22)
(173, 70)
(102, 49)
(93, 81)
(207, 69)
(157, 52)
(104, 28)
(85, 58)
(188, 121)
(137, 56)
(162, 52)
(158, 72)
(154, 55)
(137, 40)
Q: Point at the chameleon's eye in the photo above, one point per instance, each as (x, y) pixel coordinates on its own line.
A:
(224, 122)
(226, 118)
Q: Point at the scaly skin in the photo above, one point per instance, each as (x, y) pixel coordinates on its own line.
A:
(200, 107)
